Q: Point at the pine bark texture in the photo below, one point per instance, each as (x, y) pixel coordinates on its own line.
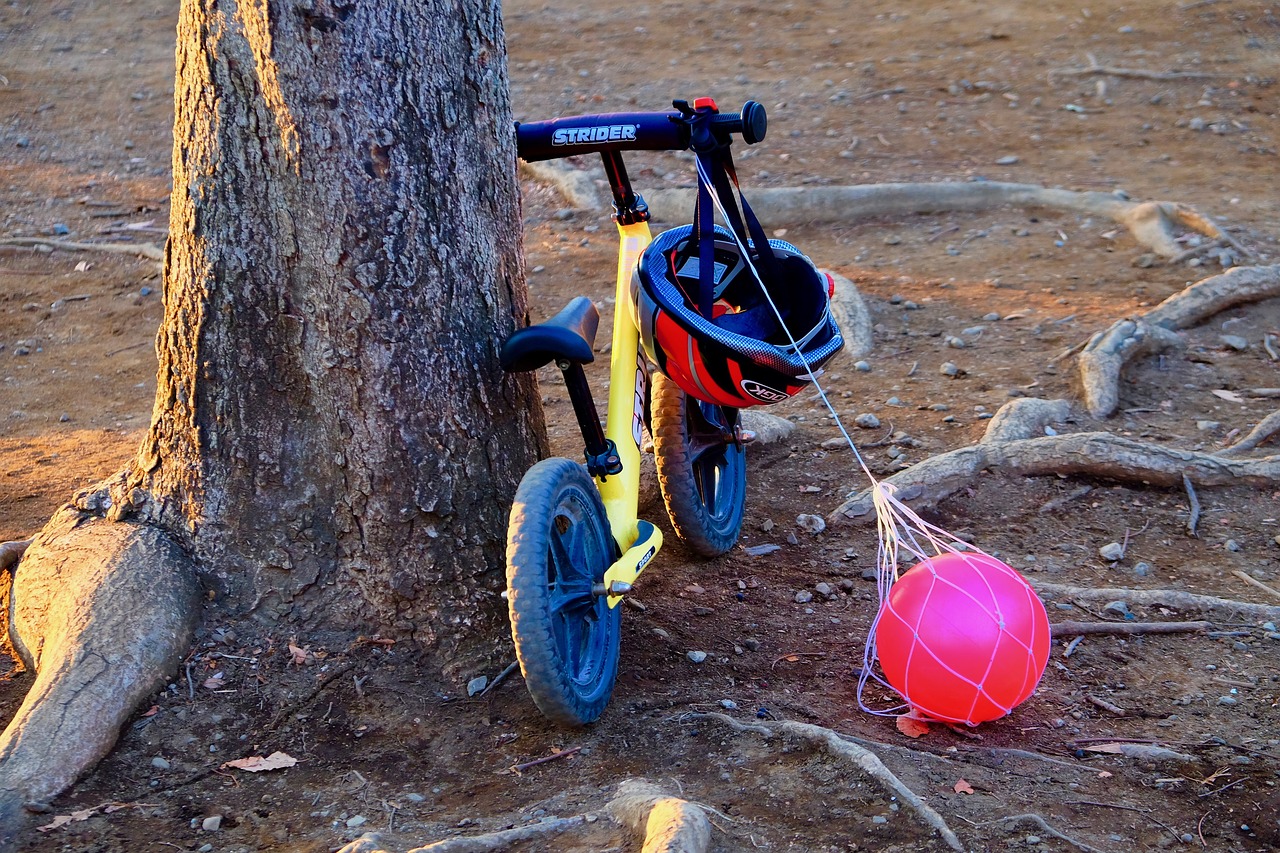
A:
(333, 438)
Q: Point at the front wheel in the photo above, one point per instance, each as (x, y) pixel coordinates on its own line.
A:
(566, 635)
(701, 472)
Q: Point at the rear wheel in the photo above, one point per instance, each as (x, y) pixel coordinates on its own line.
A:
(558, 549)
(702, 472)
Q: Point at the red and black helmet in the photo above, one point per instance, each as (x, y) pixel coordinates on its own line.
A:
(743, 355)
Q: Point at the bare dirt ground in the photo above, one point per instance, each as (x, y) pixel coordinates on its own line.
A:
(858, 93)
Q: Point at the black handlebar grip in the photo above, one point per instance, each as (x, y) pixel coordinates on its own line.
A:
(752, 122)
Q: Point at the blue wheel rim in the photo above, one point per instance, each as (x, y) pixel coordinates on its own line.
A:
(581, 622)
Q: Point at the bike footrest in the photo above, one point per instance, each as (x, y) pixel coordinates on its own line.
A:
(628, 567)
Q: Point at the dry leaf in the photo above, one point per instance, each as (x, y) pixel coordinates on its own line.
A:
(962, 787)
(912, 726)
(298, 655)
(214, 681)
(1224, 394)
(83, 266)
(256, 763)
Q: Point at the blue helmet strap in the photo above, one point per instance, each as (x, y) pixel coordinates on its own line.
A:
(716, 172)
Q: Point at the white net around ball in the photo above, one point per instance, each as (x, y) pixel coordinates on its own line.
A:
(901, 534)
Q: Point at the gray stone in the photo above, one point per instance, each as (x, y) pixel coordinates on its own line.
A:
(824, 588)
(1112, 551)
(803, 597)
(212, 823)
(814, 524)
(949, 369)
(477, 684)
(866, 420)
(1226, 700)
(768, 428)
(1234, 342)
(1119, 607)
(358, 820)
(728, 704)
(415, 798)
(1007, 160)
(862, 366)
(696, 657)
(160, 763)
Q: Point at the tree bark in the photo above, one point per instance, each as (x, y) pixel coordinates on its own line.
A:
(333, 438)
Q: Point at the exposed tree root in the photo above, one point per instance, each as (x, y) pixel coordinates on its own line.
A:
(1267, 427)
(1095, 67)
(670, 824)
(1106, 354)
(1207, 297)
(142, 250)
(102, 612)
(866, 760)
(1152, 224)
(1222, 608)
(1044, 827)
(1092, 454)
(11, 552)
(1072, 629)
(853, 318)
(576, 186)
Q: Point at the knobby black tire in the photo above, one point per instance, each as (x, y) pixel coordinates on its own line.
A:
(704, 490)
(566, 638)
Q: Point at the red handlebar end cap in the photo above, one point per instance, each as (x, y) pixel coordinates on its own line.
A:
(699, 103)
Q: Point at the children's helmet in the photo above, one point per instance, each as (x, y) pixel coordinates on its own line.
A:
(742, 356)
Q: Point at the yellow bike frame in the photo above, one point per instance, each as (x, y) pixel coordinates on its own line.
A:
(638, 540)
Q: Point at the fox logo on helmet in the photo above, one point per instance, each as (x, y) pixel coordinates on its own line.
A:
(763, 392)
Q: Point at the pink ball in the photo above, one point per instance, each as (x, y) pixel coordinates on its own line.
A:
(963, 638)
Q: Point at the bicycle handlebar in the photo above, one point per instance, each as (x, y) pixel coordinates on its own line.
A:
(664, 131)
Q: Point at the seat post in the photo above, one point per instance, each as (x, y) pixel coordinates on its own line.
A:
(602, 453)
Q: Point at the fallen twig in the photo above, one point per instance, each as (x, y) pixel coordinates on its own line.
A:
(1269, 344)
(1105, 705)
(1071, 629)
(863, 758)
(1044, 827)
(555, 756)
(1252, 581)
(1193, 519)
(499, 678)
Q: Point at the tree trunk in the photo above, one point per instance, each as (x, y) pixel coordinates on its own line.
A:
(333, 437)
(333, 441)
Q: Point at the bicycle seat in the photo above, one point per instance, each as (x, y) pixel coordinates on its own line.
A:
(569, 336)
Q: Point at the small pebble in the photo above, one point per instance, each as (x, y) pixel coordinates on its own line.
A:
(803, 597)
(1033, 839)
(415, 798)
(1234, 342)
(867, 421)
(1007, 160)
(1232, 545)
(1208, 426)
(992, 317)
(212, 823)
(1112, 551)
(814, 524)
(1118, 607)
(862, 366)
(824, 588)
(696, 657)
(1142, 569)
(879, 819)
(893, 401)
(956, 343)
(949, 369)
(59, 228)
(892, 240)
(1239, 646)
(751, 644)
(728, 704)
(358, 820)
(1226, 700)
(160, 763)
(477, 684)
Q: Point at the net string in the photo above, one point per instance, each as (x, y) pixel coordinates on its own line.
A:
(898, 529)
